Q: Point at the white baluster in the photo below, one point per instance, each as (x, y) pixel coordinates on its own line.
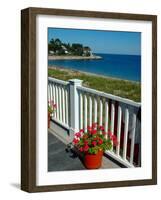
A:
(112, 116)
(53, 91)
(63, 105)
(66, 107)
(57, 102)
(106, 117)
(81, 111)
(118, 130)
(112, 119)
(85, 113)
(133, 138)
(95, 109)
(100, 114)
(125, 133)
(90, 111)
(49, 96)
(60, 103)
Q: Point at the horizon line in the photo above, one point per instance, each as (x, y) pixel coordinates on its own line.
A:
(117, 54)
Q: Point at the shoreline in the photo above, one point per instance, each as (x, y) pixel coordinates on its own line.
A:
(90, 73)
(119, 87)
(55, 57)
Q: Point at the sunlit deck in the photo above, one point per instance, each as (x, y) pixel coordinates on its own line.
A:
(77, 107)
(59, 159)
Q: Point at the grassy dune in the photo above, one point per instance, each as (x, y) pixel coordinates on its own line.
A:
(122, 88)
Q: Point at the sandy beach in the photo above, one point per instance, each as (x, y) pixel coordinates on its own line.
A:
(55, 57)
(119, 87)
(77, 72)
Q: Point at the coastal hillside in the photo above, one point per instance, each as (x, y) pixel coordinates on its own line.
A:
(58, 48)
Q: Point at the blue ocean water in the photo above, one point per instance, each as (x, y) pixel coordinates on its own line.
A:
(113, 65)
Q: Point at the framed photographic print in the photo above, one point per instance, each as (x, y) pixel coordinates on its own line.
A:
(88, 99)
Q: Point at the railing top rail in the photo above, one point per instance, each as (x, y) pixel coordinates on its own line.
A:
(58, 81)
(96, 92)
(109, 96)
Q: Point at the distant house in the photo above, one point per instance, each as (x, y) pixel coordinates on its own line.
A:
(57, 52)
(51, 52)
(87, 51)
(56, 47)
(65, 49)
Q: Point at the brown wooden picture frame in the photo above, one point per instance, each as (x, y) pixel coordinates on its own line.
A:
(28, 98)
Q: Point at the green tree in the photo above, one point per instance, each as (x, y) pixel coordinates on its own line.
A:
(77, 49)
(57, 42)
(59, 48)
(87, 51)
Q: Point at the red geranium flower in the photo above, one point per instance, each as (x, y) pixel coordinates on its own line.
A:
(114, 139)
(89, 128)
(110, 133)
(78, 134)
(86, 147)
(101, 128)
(100, 141)
(115, 142)
(75, 141)
(94, 125)
(81, 149)
(96, 138)
(93, 132)
(94, 143)
(85, 142)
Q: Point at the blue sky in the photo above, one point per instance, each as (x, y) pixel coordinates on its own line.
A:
(114, 42)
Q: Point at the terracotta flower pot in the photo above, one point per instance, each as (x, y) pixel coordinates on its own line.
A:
(48, 120)
(93, 161)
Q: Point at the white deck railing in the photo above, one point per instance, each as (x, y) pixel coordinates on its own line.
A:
(79, 107)
(58, 92)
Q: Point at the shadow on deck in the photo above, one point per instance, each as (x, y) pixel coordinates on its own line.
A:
(59, 159)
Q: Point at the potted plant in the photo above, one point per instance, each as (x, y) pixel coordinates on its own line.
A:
(51, 109)
(92, 144)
